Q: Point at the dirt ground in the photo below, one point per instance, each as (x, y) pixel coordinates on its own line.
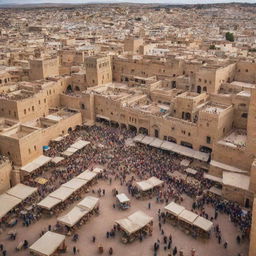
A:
(99, 225)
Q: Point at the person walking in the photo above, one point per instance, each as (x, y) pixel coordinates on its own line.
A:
(110, 252)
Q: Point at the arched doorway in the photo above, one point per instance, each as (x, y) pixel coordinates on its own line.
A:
(69, 129)
(69, 88)
(199, 89)
(114, 124)
(132, 128)
(123, 126)
(143, 130)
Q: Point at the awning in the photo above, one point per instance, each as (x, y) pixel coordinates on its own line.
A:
(87, 175)
(174, 209)
(7, 203)
(149, 183)
(134, 222)
(73, 216)
(21, 191)
(75, 184)
(70, 151)
(156, 143)
(88, 203)
(188, 216)
(215, 191)
(80, 144)
(49, 202)
(203, 224)
(147, 140)
(62, 193)
(138, 138)
(35, 164)
(122, 198)
(47, 244)
(213, 178)
(226, 167)
(98, 170)
(57, 159)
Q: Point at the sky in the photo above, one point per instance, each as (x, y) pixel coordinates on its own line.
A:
(117, 1)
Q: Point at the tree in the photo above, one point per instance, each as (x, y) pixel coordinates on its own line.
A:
(230, 37)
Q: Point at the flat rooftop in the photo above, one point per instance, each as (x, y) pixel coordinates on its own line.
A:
(243, 84)
(235, 139)
(19, 131)
(214, 108)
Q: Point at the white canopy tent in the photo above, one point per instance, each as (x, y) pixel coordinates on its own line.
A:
(213, 178)
(188, 216)
(174, 209)
(98, 170)
(185, 162)
(7, 203)
(75, 184)
(62, 193)
(47, 244)
(138, 138)
(49, 202)
(21, 191)
(203, 224)
(35, 164)
(88, 203)
(80, 144)
(57, 159)
(122, 198)
(148, 184)
(87, 175)
(134, 222)
(171, 146)
(73, 216)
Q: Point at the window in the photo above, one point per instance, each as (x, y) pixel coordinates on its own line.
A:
(29, 151)
(208, 139)
(25, 111)
(246, 70)
(35, 147)
(244, 115)
(33, 109)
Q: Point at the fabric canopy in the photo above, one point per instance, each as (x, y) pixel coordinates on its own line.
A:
(188, 216)
(75, 184)
(57, 159)
(73, 216)
(174, 209)
(35, 164)
(134, 222)
(7, 203)
(203, 223)
(148, 184)
(47, 244)
(87, 175)
(21, 191)
(49, 202)
(88, 203)
(80, 144)
(122, 198)
(62, 193)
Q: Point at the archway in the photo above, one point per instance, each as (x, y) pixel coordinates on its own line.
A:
(77, 88)
(114, 124)
(69, 88)
(123, 126)
(132, 128)
(143, 130)
(187, 116)
(173, 84)
(199, 89)
(69, 129)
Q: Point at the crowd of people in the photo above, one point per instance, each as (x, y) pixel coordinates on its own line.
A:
(128, 164)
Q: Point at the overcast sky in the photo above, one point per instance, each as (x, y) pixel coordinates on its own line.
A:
(116, 1)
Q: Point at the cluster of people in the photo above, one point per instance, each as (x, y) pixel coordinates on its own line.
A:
(127, 164)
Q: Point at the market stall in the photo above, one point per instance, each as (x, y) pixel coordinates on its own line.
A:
(48, 245)
(173, 210)
(186, 219)
(135, 226)
(202, 226)
(123, 202)
(148, 187)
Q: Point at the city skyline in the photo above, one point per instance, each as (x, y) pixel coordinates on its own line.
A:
(2, 2)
